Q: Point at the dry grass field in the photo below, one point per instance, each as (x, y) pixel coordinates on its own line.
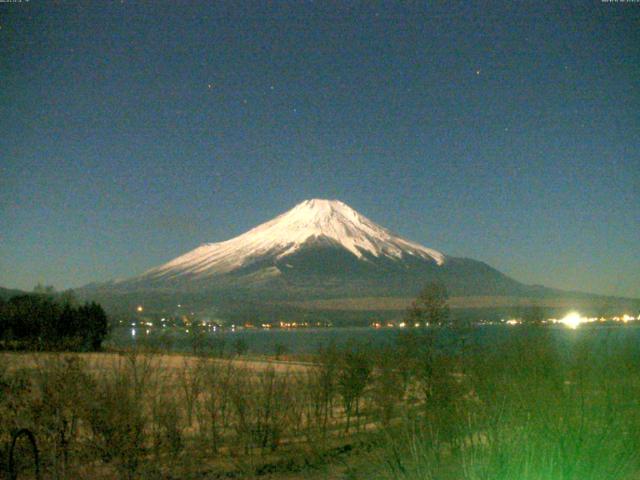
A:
(141, 415)
(166, 362)
(526, 409)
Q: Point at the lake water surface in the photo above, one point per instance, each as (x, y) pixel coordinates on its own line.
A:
(309, 340)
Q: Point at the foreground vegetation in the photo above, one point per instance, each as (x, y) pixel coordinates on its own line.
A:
(529, 408)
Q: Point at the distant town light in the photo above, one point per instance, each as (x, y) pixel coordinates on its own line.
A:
(572, 320)
(133, 332)
(139, 309)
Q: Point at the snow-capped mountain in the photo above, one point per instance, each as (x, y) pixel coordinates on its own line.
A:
(319, 250)
(312, 223)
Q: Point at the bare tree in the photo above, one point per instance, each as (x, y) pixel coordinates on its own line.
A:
(389, 384)
(217, 384)
(353, 378)
(431, 307)
(322, 384)
(190, 381)
(533, 315)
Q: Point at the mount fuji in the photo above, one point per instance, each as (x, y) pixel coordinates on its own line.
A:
(319, 248)
(319, 251)
(311, 225)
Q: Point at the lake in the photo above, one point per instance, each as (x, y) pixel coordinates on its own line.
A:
(309, 340)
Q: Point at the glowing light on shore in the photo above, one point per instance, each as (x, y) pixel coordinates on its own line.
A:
(573, 320)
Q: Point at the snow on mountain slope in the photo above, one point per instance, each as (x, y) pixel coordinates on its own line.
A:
(309, 221)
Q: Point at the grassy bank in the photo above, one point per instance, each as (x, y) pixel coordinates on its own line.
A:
(528, 408)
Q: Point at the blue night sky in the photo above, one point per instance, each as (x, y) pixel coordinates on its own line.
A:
(132, 132)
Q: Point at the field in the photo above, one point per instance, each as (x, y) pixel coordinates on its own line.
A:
(528, 408)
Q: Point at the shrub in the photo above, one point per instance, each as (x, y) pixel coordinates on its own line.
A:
(116, 414)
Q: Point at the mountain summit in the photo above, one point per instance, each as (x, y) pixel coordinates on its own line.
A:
(310, 224)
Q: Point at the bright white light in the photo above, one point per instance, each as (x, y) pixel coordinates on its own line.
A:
(133, 332)
(572, 320)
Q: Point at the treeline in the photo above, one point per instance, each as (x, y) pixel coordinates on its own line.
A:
(47, 322)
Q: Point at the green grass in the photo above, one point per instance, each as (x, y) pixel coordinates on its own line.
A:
(532, 410)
